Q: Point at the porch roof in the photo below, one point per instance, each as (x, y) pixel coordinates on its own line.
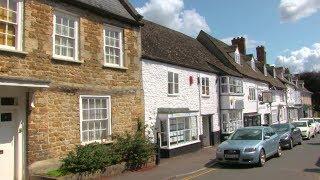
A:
(23, 82)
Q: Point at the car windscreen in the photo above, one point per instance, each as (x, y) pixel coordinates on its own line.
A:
(300, 124)
(281, 127)
(247, 134)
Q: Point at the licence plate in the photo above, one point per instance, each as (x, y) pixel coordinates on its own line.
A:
(231, 156)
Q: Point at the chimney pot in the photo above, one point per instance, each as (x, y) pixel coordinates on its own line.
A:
(241, 43)
(261, 54)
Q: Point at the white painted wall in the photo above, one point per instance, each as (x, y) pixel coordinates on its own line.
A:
(155, 85)
(249, 106)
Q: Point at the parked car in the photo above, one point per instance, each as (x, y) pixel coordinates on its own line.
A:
(314, 124)
(318, 121)
(289, 134)
(306, 128)
(249, 145)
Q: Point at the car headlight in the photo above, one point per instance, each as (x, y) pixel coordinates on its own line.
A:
(286, 136)
(250, 149)
(219, 150)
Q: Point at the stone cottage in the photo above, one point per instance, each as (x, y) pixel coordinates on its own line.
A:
(70, 74)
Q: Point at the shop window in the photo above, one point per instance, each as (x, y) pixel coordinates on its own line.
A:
(231, 121)
(181, 130)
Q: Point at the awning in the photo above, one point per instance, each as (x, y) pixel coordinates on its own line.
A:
(175, 112)
(23, 82)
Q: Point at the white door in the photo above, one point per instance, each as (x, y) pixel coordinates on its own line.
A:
(7, 144)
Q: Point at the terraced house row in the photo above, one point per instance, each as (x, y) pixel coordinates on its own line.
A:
(77, 72)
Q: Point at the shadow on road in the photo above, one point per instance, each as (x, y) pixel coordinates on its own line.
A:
(314, 144)
(314, 170)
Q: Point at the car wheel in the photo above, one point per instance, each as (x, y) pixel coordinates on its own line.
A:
(290, 144)
(300, 142)
(262, 158)
(279, 151)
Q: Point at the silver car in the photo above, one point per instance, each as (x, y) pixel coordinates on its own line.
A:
(250, 145)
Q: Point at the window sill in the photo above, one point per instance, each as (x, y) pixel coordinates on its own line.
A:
(100, 142)
(13, 51)
(66, 60)
(205, 96)
(173, 95)
(181, 145)
(115, 67)
(231, 94)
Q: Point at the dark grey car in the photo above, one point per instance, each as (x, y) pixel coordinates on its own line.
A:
(289, 135)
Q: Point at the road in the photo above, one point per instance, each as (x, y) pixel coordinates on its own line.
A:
(300, 163)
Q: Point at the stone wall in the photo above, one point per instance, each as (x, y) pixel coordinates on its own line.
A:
(53, 125)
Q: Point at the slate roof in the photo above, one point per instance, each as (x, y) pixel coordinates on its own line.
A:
(218, 48)
(275, 82)
(119, 9)
(283, 79)
(169, 46)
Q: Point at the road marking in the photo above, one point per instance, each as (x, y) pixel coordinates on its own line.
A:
(200, 174)
(193, 172)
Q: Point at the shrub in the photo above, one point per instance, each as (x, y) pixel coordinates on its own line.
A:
(89, 159)
(136, 149)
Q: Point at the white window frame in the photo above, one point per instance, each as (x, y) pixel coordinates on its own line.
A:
(230, 124)
(169, 135)
(228, 85)
(253, 64)
(18, 30)
(237, 57)
(120, 31)
(174, 93)
(252, 94)
(109, 130)
(76, 36)
(206, 86)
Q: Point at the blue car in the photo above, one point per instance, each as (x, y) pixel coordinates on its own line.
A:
(289, 135)
(250, 145)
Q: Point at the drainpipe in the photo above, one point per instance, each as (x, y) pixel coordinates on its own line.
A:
(199, 91)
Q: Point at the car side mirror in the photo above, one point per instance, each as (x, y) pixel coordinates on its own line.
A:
(267, 137)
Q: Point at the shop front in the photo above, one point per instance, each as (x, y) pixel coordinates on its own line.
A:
(179, 131)
(251, 119)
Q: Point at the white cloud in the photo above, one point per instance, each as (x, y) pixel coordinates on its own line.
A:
(305, 59)
(293, 10)
(251, 44)
(172, 14)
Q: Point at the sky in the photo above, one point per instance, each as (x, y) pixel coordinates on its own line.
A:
(289, 29)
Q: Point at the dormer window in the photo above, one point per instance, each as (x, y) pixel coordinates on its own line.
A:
(253, 64)
(237, 57)
(265, 70)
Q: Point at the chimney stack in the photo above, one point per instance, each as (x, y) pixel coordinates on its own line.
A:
(241, 43)
(261, 54)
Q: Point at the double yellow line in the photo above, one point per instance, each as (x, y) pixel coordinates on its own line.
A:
(199, 174)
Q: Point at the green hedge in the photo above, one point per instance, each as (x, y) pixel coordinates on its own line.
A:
(133, 149)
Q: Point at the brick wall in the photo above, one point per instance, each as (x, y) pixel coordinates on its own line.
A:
(53, 125)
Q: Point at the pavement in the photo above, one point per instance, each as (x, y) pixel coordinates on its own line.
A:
(300, 163)
(176, 167)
